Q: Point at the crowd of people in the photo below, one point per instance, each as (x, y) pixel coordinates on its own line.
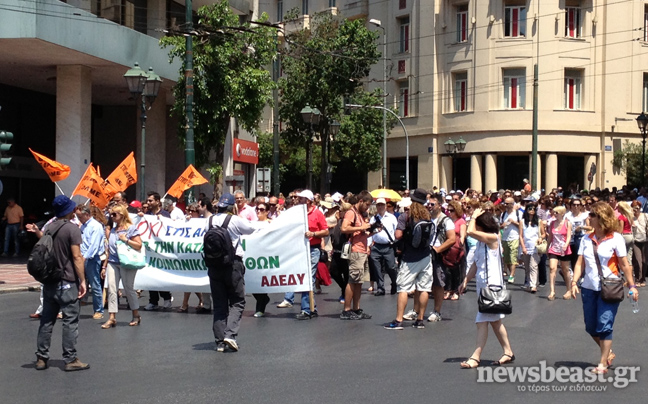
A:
(427, 242)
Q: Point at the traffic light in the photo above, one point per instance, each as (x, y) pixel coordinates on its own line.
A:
(403, 182)
(5, 146)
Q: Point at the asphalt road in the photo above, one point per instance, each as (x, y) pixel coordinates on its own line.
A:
(170, 358)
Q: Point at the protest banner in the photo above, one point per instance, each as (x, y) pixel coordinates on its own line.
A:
(189, 178)
(124, 175)
(55, 170)
(276, 257)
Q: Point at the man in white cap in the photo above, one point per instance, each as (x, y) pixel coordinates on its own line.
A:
(382, 251)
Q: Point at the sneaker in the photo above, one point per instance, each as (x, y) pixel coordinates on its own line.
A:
(394, 325)
(511, 279)
(341, 299)
(434, 316)
(418, 324)
(259, 314)
(349, 315)
(410, 315)
(97, 316)
(314, 314)
(16, 255)
(220, 346)
(303, 316)
(231, 343)
(168, 303)
(76, 365)
(284, 305)
(150, 307)
(41, 364)
(362, 315)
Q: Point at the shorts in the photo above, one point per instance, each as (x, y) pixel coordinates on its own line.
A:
(510, 252)
(439, 271)
(358, 267)
(599, 315)
(559, 257)
(414, 276)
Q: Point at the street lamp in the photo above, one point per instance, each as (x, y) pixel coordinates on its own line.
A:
(310, 116)
(146, 85)
(642, 121)
(453, 148)
(378, 24)
(334, 129)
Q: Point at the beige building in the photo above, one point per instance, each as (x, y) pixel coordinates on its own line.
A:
(465, 69)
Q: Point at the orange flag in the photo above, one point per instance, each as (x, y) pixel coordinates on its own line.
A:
(90, 187)
(187, 179)
(54, 169)
(124, 175)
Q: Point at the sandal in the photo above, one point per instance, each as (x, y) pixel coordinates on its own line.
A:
(466, 365)
(551, 297)
(610, 358)
(454, 296)
(183, 310)
(135, 321)
(500, 363)
(109, 324)
(599, 370)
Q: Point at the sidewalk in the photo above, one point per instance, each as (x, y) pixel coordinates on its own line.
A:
(14, 276)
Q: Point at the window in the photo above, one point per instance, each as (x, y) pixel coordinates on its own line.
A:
(279, 10)
(402, 4)
(304, 7)
(331, 3)
(403, 99)
(401, 67)
(644, 99)
(645, 31)
(460, 91)
(573, 27)
(514, 21)
(404, 34)
(573, 88)
(462, 23)
(514, 88)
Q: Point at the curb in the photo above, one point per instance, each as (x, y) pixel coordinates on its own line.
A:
(19, 289)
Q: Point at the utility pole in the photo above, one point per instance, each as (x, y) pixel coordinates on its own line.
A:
(190, 152)
(275, 121)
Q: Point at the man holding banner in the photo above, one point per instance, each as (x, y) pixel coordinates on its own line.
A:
(227, 284)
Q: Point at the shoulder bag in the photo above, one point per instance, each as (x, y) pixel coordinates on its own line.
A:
(494, 299)
(130, 258)
(611, 288)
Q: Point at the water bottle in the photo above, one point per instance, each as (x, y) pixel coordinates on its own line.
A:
(635, 305)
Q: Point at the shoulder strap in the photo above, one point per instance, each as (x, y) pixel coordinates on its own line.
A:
(226, 222)
(53, 233)
(598, 260)
(210, 221)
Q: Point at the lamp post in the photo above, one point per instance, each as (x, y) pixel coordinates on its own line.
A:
(310, 116)
(453, 148)
(144, 85)
(642, 121)
(334, 129)
(378, 24)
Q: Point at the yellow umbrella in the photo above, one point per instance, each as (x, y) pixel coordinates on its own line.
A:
(388, 194)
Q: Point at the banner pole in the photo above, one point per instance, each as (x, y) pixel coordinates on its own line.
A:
(59, 188)
(311, 297)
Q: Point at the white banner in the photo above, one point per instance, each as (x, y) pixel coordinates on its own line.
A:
(276, 258)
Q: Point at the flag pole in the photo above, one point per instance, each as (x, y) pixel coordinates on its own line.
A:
(59, 188)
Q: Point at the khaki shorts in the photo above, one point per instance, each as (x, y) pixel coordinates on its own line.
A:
(358, 267)
(415, 276)
(511, 252)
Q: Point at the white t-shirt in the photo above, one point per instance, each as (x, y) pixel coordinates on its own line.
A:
(577, 221)
(449, 225)
(511, 232)
(610, 251)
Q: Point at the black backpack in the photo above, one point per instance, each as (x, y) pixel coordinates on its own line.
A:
(42, 260)
(338, 239)
(217, 245)
(417, 235)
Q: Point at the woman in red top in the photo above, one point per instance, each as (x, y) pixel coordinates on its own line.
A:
(559, 233)
(626, 218)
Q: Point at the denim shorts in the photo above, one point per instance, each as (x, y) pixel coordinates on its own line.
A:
(599, 315)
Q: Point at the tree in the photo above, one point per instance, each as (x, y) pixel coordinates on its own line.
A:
(322, 66)
(230, 77)
(628, 161)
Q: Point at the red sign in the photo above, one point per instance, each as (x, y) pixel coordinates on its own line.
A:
(245, 152)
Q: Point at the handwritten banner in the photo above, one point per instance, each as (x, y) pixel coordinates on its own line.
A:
(276, 256)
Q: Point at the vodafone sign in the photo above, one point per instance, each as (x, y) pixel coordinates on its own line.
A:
(245, 151)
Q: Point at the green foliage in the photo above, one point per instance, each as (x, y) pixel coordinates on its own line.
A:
(628, 161)
(230, 77)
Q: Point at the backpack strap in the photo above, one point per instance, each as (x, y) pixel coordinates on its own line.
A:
(226, 222)
(53, 233)
(210, 221)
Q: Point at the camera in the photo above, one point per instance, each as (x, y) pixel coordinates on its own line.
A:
(376, 226)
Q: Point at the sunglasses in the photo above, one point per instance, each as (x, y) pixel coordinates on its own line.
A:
(239, 199)
(272, 205)
(531, 208)
(261, 209)
(114, 214)
(488, 210)
(450, 210)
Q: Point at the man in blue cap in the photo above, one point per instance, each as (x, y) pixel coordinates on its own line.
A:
(63, 295)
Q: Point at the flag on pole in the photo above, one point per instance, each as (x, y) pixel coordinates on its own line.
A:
(124, 175)
(55, 170)
(189, 178)
(90, 187)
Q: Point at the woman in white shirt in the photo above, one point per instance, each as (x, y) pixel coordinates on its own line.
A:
(611, 250)
(531, 234)
(639, 226)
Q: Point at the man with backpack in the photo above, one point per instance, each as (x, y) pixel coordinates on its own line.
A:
(64, 286)
(224, 259)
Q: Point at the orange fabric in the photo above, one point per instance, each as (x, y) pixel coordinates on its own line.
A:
(189, 178)
(90, 187)
(613, 263)
(55, 170)
(124, 175)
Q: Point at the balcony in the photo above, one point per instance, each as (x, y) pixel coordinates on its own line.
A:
(354, 9)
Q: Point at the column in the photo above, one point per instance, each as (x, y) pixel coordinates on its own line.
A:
(425, 171)
(490, 172)
(73, 122)
(476, 169)
(551, 172)
(155, 17)
(155, 144)
(446, 173)
(589, 160)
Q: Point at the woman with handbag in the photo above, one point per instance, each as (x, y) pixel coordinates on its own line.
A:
(531, 235)
(639, 226)
(559, 233)
(601, 256)
(488, 274)
(125, 232)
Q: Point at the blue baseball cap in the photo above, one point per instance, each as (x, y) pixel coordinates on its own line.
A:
(226, 200)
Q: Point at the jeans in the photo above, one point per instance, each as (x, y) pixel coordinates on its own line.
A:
(63, 297)
(305, 296)
(11, 232)
(599, 315)
(382, 255)
(93, 276)
(228, 295)
(154, 296)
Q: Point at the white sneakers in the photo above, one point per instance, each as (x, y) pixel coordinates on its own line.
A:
(150, 307)
(410, 315)
(434, 316)
(284, 305)
(168, 303)
(231, 343)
